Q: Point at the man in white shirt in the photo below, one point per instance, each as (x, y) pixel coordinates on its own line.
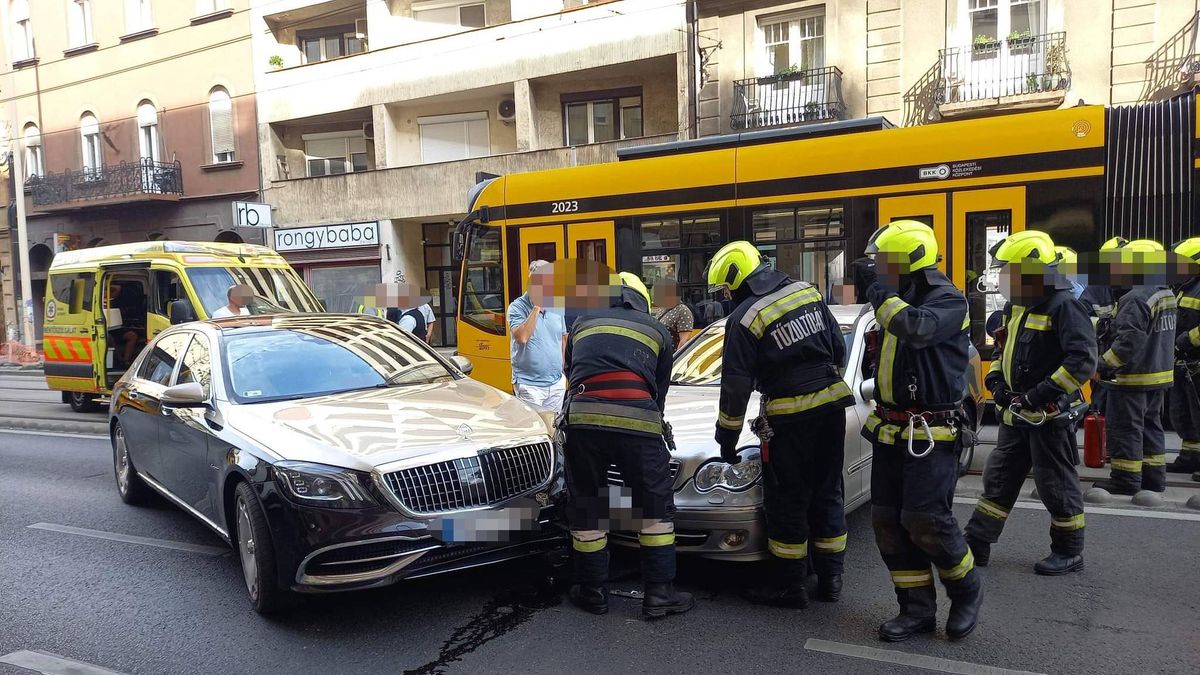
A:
(419, 320)
(239, 296)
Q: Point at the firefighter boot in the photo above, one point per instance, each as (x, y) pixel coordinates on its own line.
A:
(1185, 463)
(981, 550)
(785, 587)
(829, 589)
(966, 595)
(1115, 488)
(1058, 564)
(658, 576)
(918, 607)
(591, 571)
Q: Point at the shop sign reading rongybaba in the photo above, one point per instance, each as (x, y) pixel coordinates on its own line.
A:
(327, 236)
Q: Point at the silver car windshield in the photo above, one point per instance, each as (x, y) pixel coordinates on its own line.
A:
(279, 365)
(699, 362)
(275, 289)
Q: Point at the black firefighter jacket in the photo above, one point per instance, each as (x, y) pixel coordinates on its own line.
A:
(1142, 352)
(1187, 327)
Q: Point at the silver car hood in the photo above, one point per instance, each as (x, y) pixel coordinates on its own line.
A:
(369, 428)
(692, 411)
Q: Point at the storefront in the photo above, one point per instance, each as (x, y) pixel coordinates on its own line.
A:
(441, 280)
(340, 263)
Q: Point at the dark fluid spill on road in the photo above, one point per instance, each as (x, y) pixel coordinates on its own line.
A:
(499, 616)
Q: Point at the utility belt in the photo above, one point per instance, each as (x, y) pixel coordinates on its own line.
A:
(1060, 414)
(926, 419)
(618, 385)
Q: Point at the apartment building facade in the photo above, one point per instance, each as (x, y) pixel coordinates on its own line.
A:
(136, 120)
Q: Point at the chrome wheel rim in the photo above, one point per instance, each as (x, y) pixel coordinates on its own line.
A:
(246, 549)
(122, 460)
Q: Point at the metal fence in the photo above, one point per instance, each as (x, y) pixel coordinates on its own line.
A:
(1174, 66)
(1015, 66)
(125, 179)
(787, 98)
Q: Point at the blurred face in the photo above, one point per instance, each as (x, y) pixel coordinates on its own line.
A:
(1025, 281)
(666, 293)
(541, 287)
(402, 295)
(891, 268)
(240, 295)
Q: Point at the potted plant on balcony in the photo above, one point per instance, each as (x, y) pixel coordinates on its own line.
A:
(1056, 68)
(812, 111)
(1031, 83)
(985, 43)
(1020, 40)
(276, 61)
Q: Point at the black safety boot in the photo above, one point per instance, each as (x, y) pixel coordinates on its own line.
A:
(662, 599)
(918, 607)
(592, 599)
(965, 600)
(981, 550)
(1184, 464)
(1116, 488)
(785, 586)
(1058, 564)
(829, 589)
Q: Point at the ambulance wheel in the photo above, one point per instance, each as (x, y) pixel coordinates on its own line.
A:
(81, 402)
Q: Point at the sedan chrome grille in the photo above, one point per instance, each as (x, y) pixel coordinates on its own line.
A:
(489, 478)
(615, 477)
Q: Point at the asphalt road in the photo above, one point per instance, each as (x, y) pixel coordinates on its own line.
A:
(136, 608)
(26, 402)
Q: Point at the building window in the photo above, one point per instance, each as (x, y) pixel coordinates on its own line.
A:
(34, 165)
(79, 23)
(331, 43)
(333, 153)
(446, 138)
(22, 40)
(453, 13)
(204, 7)
(793, 43)
(148, 146)
(138, 16)
(220, 121)
(991, 21)
(600, 118)
(89, 132)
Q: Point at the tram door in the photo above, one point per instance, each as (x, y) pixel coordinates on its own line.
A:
(593, 241)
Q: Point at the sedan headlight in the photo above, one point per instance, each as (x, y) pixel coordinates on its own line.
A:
(734, 477)
(325, 486)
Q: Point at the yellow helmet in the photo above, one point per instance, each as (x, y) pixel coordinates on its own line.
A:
(1114, 243)
(732, 264)
(1189, 248)
(1067, 254)
(632, 281)
(906, 237)
(1032, 245)
(1143, 246)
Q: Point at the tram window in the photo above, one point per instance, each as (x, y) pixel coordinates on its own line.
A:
(823, 222)
(774, 225)
(927, 219)
(660, 233)
(483, 282)
(701, 231)
(543, 251)
(592, 249)
(984, 230)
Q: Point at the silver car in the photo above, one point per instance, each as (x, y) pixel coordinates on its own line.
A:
(333, 452)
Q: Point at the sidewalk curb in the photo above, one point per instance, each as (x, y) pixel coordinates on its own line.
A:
(54, 426)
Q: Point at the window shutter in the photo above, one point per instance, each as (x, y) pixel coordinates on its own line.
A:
(220, 113)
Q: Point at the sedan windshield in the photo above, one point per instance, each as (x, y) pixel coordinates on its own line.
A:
(275, 289)
(700, 360)
(290, 364)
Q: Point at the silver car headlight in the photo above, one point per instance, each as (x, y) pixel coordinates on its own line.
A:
(734, 477)
(321, 485)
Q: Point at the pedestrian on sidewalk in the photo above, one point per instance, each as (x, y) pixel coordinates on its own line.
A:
(1049, 351)
(1185, 394)
(539, 338)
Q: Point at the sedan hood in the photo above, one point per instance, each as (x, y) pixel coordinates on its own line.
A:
(692, 411)
(369, 428)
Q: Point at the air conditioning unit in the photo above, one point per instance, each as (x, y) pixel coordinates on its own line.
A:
(360, 29)
(507, 110)
(369, 131)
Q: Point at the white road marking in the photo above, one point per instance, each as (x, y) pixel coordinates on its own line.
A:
(907, 659)
(62, 434)
(1102, 510)
(51, 664)
(132, 539)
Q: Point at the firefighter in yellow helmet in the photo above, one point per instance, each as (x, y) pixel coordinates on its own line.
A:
(782, 341)
(1098, 298)
(1049, 352)
(1185, 395)
(919, 387)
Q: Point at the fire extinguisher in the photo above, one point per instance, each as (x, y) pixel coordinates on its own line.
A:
(1095, 441)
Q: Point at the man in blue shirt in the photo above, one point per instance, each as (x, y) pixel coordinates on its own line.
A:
(538, 339)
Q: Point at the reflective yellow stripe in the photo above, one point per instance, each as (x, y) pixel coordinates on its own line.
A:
(595, 420)
(887, 361)
(734, 423)
(1190, 446)
(1038, 322)
(830, 544)
(1110, 357)
(1194, 336)
(1162, 301)
(912, 578)
(1146, 379)
(589, 546)
(1126, 465)
(48, 350)
(991, 508)
(966, 321)
(656, 539)
(887, 432)
(960, 570)
(792, 551)
(1065, 381)
(1010, 344)
(1188, 302)
(996, 367)
(1071, 523)
(797, 404)
(888, 310)
(622, 332)
(775, 311)
(1154, 460)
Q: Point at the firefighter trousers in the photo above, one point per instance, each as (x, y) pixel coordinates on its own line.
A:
(914, 526)
(1185, 411)
(644, 504)
(804, 492)
(1050, 451)
(1136, 442)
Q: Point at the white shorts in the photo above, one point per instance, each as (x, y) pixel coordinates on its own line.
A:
(550, 398)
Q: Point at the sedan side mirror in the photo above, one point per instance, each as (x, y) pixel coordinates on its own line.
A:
(180, 311)
(867, 389)
(186, 395)
(462, 363)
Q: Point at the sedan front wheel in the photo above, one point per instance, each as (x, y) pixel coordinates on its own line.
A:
(129, 485)
(252, 536)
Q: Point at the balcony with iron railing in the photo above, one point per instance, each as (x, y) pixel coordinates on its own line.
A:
(787, 98)
(142, 181)
(1175, 66)
(1019, 72)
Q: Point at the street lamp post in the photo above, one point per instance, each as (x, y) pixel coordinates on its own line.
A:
(26, 309)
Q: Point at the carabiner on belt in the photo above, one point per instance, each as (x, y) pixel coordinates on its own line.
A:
(912, 425)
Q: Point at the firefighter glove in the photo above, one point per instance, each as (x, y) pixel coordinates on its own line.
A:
(727, 439)
(1106, 372)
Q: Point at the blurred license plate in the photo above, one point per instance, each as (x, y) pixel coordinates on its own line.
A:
(492, 525)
